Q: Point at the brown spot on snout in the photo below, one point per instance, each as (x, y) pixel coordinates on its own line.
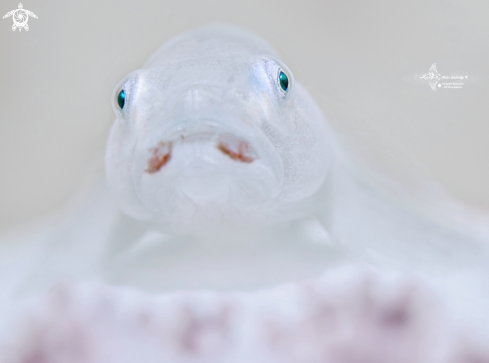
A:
(242, 153)
(160, 155)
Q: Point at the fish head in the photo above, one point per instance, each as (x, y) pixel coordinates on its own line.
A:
(215, 139)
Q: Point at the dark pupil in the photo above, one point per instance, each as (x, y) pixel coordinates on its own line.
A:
(121, 99)
(284, 81)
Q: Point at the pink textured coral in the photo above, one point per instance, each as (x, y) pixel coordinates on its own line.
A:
(345, 317)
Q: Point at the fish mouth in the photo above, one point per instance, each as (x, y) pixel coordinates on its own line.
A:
(232, 144)
(206, 162)
(235, 148)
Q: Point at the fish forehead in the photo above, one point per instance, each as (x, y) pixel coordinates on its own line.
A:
(210, 72)
(213, 46)
(208, 64)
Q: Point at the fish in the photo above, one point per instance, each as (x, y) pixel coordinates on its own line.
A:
(215, 120)
(217, 142)
(209, 136)
(223, 174)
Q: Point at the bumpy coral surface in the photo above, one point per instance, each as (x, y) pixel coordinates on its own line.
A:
(347, 316)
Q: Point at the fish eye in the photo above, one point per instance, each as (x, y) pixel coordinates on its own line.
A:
(283, 81)
(121, 98)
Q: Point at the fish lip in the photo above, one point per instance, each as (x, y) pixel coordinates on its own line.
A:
(237, 143)
(160, 156)
(235, 148)
(189, 130)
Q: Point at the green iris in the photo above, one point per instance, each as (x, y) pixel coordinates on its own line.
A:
(121, 99)
(284, 81)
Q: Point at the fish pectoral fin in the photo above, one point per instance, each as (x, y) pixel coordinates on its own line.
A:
(314, 231)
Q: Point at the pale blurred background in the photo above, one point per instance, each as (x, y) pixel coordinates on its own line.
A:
(357, 58)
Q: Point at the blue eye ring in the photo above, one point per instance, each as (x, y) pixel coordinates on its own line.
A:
(283, 81)
(121, 98)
